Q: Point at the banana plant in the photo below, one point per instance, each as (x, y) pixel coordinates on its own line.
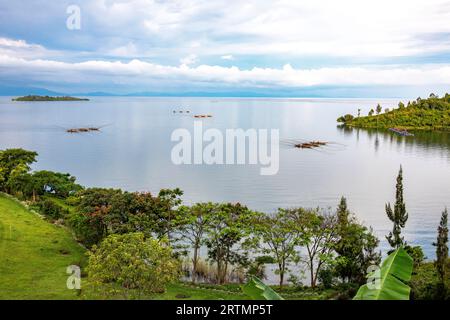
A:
(389, 282)
(257, 290)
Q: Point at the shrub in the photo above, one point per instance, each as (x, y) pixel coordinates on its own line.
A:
(425, 284)
(326, 277)
(346, 118)
(51, 210)
(131, 265)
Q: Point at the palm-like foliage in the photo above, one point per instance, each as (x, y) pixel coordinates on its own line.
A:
(389, 282)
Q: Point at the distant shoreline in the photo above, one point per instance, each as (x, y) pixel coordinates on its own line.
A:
(48, 98)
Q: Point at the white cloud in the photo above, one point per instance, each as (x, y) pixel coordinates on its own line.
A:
(140, 72)
(353, 28)
(20, 48)
(282, 30)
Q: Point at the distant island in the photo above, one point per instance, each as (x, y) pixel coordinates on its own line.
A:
(432, 113)
(48, 98)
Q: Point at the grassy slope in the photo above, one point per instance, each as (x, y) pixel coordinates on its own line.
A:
(34, 255)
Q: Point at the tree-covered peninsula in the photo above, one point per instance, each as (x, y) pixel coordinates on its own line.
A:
(432, 113)
(48, 98)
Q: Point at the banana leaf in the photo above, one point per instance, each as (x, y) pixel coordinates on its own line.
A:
(395, 271)
(257, 290)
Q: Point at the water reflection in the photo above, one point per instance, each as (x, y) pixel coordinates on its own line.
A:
(435, 143)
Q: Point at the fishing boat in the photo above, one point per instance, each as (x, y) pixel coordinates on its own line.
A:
(80, 130)
(203, 116)
(310, 144)
(401, 132)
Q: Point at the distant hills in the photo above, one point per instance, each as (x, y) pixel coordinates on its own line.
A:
(241, 92)
(22, 91)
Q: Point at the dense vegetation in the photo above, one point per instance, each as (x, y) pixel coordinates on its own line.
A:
(142, 245)
(48, 98)
(432, 113)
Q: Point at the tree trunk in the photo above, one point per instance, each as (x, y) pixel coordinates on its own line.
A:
(313, 282)
(281, 268)
(194, 263)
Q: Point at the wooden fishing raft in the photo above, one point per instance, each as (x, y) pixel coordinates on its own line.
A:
(81, 130)
(310, 144)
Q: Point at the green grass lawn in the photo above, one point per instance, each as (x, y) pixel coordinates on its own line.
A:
(34, 255)
(181, 291)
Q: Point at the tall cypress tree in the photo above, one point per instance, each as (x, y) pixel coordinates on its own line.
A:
(343, 212)
(399, 216)
(442, 247)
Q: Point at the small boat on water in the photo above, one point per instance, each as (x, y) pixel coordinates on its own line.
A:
(401, 132)
(310, 144)
(80, 130)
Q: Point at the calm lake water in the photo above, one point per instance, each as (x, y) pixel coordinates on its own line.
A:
(133, 150)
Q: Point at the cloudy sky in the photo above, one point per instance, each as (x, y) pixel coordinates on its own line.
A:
(289, 48)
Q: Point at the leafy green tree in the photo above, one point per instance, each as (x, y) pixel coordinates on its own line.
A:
(401, 105)
(132, 265)
(342, 212)
(195, 227)
(346, 118)
(378, 109)
(168, 220)
(279, 239)
(442, 247)
(371, 112)
(14, 162)
(355, 247)
(100, 212)
(316, 232)
(399, 216)
(416, 253)
(59, 184)
(20, 182)
(89, 221)
(226, 229)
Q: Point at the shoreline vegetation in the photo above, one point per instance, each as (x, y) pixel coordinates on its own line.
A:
(432, 113)
(48, 98)
(121, 231)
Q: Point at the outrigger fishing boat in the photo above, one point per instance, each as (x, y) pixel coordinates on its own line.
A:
(80, 130)
(401, 132)
(310, 144)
